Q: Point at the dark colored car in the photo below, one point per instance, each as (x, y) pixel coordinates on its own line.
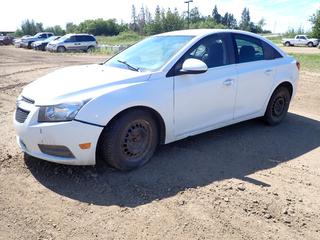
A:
(41, 45)
(6, 40)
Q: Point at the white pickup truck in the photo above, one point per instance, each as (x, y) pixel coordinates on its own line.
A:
(300, 40)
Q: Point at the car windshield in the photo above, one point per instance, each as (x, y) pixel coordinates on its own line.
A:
(51, 38)
(150, 54)
(65, 37)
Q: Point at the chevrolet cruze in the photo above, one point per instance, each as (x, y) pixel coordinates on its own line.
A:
(162, 89)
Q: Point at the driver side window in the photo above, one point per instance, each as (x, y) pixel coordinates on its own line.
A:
(212, 50)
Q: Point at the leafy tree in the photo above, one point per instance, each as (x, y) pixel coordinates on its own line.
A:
(57, 30)
(71, 28)
(291, 32)
(29, 27)
(172, 21)
(195, 15)
(99, 27)
(315, 20)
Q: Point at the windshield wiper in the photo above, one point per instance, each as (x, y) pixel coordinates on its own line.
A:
(129, 66)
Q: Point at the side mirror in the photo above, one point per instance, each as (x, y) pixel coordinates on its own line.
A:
(193, 66)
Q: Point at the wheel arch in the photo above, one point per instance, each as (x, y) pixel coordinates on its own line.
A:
(159, 120)
(286, 84)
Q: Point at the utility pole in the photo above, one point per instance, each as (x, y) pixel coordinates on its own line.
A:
(188, 2)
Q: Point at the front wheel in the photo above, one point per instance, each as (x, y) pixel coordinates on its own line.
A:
(310, 44)
(130, 140)
(61, 49)
(278, 106)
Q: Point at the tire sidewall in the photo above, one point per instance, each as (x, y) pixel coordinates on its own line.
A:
(111, 150)
(269, 117)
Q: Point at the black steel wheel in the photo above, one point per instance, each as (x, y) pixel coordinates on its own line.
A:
(278, 106)
(130, 140)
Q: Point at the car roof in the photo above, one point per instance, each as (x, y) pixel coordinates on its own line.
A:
(79, 34)
(204, 32)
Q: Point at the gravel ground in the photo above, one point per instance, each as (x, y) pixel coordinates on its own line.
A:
(246, 181)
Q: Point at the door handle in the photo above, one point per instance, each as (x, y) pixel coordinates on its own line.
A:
(228, 82)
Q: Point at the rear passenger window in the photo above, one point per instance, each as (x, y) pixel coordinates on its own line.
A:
(78, 39)
(269, 52)
(249, 49)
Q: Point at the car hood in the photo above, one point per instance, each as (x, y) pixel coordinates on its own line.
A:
(80, 83)
(55, 41)
(38, 42)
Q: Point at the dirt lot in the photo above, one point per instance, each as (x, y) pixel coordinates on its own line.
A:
(302, 49)
(247, 181)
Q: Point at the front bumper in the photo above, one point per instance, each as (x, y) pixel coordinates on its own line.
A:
(70, 134)
(51, 48)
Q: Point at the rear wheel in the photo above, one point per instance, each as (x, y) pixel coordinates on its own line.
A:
(61, 49)
(278, 106)
(287, 44)
(130, 140)
(90, 49)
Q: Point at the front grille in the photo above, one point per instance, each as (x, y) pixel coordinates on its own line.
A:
(21, 115)
(28, 100)
(56, 150)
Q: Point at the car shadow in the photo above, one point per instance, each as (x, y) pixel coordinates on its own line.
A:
(231, 152)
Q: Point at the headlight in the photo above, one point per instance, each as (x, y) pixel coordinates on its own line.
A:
(59, 113)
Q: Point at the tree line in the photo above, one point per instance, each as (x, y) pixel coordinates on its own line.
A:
(162, 20)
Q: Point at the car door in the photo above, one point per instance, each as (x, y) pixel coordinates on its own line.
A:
(70, 43)
(303, 41)
(206, 99)
(255, 75)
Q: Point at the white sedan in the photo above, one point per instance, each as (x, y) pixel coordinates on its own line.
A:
(162, 89)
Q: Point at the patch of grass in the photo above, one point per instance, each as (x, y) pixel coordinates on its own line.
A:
(124, 38)
(104, 51)
(275, 40)
(309, 62)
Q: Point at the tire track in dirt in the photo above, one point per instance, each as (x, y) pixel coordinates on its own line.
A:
(26, 71)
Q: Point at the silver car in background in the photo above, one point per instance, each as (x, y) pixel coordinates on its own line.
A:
(73, 42)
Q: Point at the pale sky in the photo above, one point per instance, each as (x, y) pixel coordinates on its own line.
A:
(279, 14)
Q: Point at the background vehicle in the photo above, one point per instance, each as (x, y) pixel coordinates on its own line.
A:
(6, 40)
(121, 110)
(17, 41)
(26, 42)
(73, 42)
(41, 45)
(300, 40)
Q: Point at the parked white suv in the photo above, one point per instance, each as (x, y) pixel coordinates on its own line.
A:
(300, 40)
(165, 88)
(73, 42)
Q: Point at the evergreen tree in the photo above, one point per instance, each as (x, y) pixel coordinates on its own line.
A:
(215, 15)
